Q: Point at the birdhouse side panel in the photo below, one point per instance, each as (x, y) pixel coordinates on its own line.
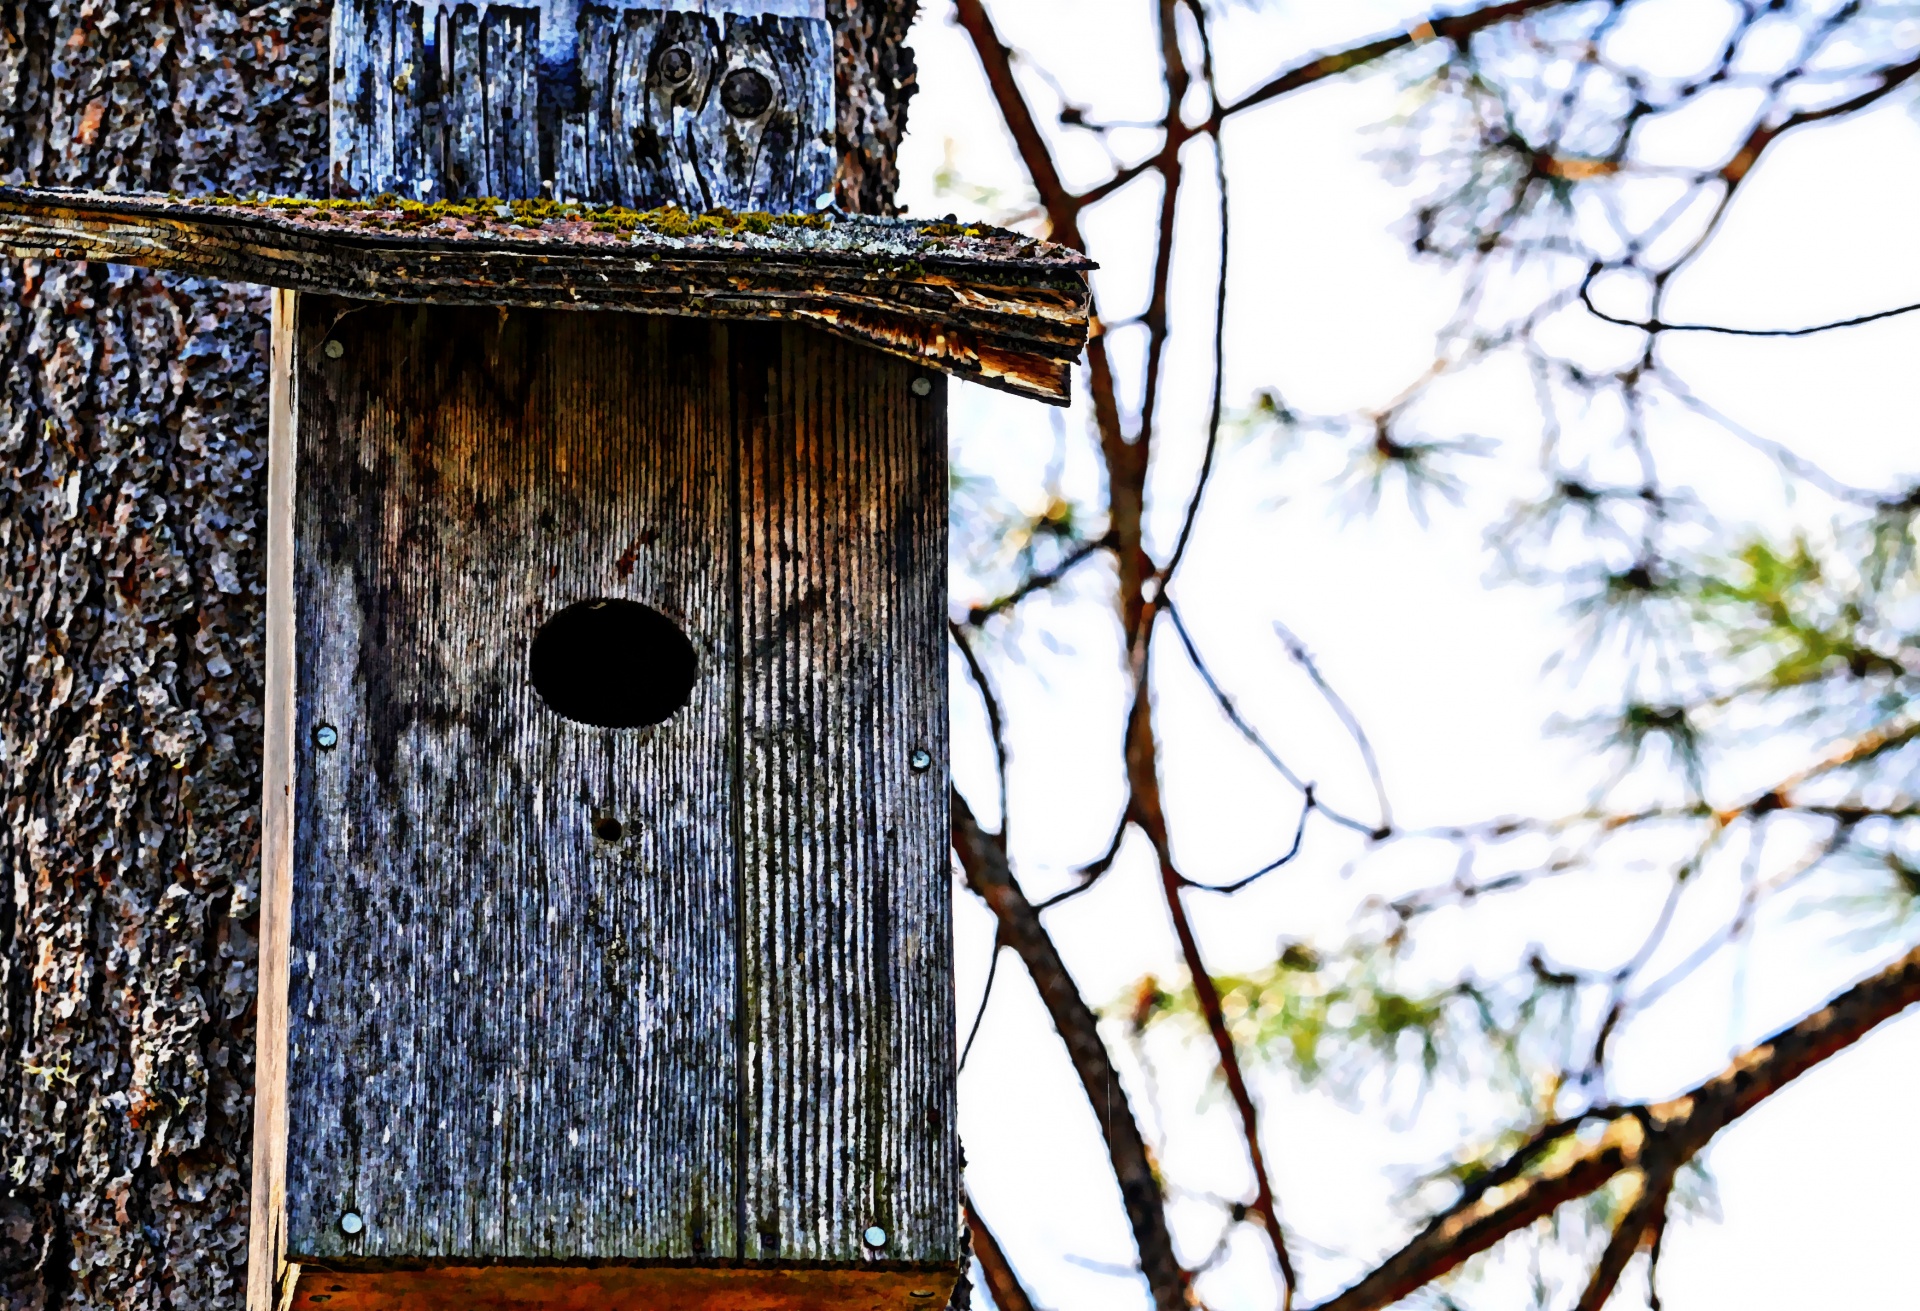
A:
(628, 102)
(849, 1003)
(513, 1000)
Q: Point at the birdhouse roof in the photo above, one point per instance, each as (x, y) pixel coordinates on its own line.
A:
(987, 304)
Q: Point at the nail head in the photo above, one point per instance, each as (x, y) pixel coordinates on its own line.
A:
(923, 386)
(875, 1236)
(921, 760)
(334, 348)
(351, 1223)
(326, 737)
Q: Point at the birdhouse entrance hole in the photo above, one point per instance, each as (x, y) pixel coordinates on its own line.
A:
(612, 663)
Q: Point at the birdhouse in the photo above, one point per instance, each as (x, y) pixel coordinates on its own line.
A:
(605, 953)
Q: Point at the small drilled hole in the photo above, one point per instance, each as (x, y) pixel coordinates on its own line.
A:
(607, 829)
(612, 664)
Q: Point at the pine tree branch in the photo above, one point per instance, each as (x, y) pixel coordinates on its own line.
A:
(1662, 1135)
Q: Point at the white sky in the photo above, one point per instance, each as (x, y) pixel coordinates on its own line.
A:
(1445, 673)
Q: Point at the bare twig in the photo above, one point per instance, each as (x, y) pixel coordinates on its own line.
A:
(1657, 326)
(986, 995)
(989, 875)
(1655, 1186)
(1247, 730)
(996, 723)
(1216, 402)
(1039, 582)
(1457, 28)
(1348, 720)
(1002, 1283)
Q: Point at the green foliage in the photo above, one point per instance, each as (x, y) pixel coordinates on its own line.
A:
(1334, 1019)
(1808, 620)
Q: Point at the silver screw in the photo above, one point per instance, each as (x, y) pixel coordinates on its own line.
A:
(923, 386)
(334, 348)
(326, 737)
(351, 1223)
(875, 1236)
(921, 760)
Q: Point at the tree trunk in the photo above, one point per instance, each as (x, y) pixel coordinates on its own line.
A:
(133, 421)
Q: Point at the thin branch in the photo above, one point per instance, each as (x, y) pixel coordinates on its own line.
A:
(1003, 1285)
(1265, 1208)
(1217, 401)
(1656, 325)
(996, 724)
(1089, 874)
(1338, 704)
(1040, 582)
(991, 878)
(1457, 28)
(1299, 837)
(1750, 150)
(996, 60)
(1629, 1235)
(1247, 730)
(1147, 810)
(986, 995)
(1676, 1130)
(1177, 77)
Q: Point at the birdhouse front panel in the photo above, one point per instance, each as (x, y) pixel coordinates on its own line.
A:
(697, 103)
(619, 905)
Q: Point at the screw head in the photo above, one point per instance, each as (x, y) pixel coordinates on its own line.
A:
(676, 65)
(334, 348)
(746, 93)
(326, 737)
(351, 1223)
(922, 386)
(875, 1236)
(921, 760)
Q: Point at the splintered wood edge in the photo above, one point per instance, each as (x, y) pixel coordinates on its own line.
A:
(617, 1288)
(267, 1229)
(1009, 323)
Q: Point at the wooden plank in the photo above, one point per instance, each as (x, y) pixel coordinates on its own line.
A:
(623, 101)
(624, 1288)
(513, 1030)
(989, 305)
(848, 1019)
(267, 1231)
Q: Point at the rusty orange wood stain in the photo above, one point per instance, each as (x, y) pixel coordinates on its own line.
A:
(618, 1288)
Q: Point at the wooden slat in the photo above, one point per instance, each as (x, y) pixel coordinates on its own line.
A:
(571, 101)
(998, 309)
(849, 1042)
(267, 1231)
(624, 1288)
(510, 1039)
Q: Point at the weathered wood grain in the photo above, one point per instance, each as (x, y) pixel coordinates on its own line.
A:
(622, 101)
(999, 309)
(848, 1036)
(267, 1229)
(510, 1037)
(727, 1035)
(134, 413)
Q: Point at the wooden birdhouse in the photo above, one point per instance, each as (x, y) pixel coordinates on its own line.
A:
(605, 954)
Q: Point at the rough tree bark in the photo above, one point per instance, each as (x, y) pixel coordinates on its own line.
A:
(132, 454)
